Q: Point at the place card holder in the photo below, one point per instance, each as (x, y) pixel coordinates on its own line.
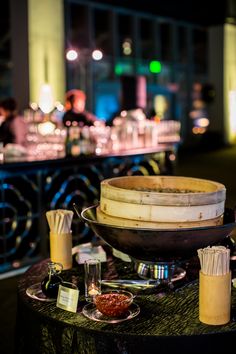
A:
(61, 249)
(68, 296)
(214, 298)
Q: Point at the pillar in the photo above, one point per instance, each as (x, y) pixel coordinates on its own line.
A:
(37, 46)
(46, 47)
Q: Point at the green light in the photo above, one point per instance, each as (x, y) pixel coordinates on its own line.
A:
(118, 69)
(155, 66)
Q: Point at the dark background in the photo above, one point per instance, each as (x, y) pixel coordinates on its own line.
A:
(204, 12)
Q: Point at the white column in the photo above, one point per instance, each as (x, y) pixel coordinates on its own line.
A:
(222, 74)
(46, 47)
(230, 82)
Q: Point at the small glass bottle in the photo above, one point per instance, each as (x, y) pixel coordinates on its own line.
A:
(75, 141)
(50, 284)
(68, 142)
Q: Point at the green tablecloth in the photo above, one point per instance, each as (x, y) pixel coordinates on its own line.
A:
(166, 323)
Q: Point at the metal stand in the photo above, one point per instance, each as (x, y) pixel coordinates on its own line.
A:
(162, 272)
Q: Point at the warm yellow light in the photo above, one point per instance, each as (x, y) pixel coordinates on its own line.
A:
(172, 157)
(160, 105)
(46, 101)
(198, 130)
(230, 82)
(46, 47)
(232, 110)
(127, 46)
(46, 128)
(127, 51)
(202, 122)
(34, 106)
(59, 106)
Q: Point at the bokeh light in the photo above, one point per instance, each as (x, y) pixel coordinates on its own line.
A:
(71, 55)
(97, 54)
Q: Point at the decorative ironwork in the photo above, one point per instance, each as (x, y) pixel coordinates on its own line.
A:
(26, 195)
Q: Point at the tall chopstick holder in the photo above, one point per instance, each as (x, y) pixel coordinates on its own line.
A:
(60, 236)
(215, 291)
(61, 249)
(214, 298)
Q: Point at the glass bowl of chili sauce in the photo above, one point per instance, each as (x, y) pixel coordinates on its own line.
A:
(113, 303)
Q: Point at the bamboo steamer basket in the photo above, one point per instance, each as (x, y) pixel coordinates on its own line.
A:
(163, 199)
(115, 221)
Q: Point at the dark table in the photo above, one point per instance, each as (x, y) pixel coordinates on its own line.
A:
(168, 322)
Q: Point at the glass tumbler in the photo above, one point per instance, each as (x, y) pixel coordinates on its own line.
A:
(92, 278)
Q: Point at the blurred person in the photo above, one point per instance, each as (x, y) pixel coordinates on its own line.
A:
(75, 109)
(13, 129)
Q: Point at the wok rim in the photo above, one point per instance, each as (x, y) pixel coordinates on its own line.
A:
(95, 222)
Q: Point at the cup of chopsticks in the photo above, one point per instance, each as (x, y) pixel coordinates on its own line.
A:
(60, 236)
(214, 285)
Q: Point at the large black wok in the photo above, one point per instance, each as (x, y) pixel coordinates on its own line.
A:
(158, 245)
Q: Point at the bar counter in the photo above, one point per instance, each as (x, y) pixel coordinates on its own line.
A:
(30, 186)
(168, 322)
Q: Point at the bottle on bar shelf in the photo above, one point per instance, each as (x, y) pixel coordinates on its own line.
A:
(72, 144)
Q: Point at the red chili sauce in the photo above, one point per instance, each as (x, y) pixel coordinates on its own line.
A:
(113, 305)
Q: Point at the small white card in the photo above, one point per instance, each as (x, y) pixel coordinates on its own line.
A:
(86, 251)
(67, 298)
